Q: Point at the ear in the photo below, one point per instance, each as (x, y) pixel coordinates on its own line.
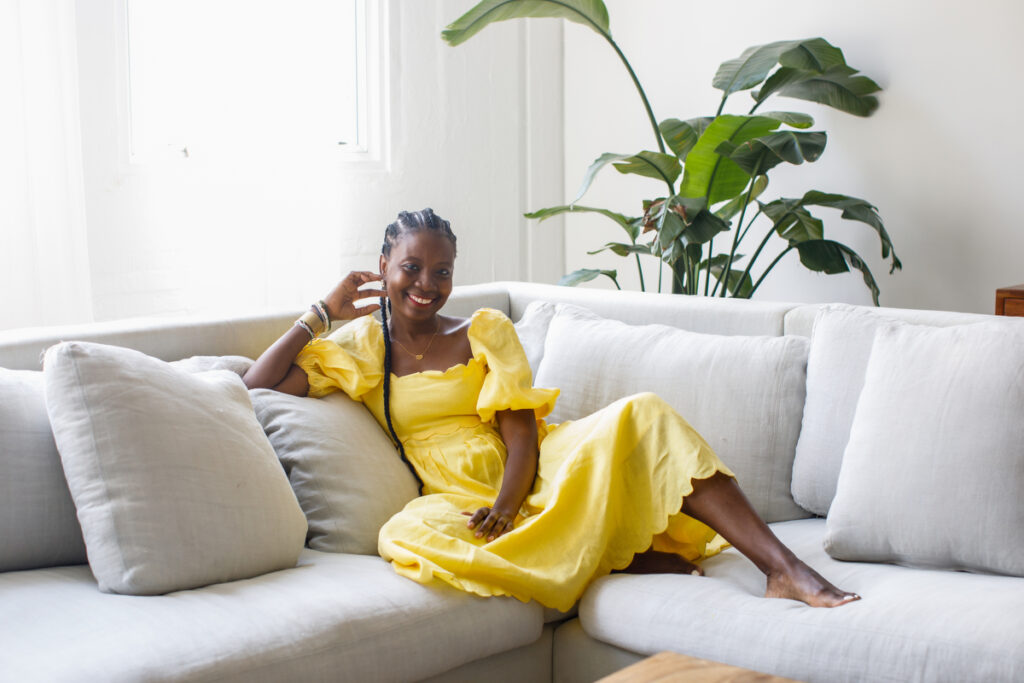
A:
(383, 264)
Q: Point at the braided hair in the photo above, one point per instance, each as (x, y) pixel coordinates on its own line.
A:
(407, 222)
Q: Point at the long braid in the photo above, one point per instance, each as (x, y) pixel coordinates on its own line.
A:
(384, 303)
(413, 221)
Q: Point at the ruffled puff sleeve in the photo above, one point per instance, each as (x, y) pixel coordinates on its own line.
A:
(350, 360)
(508, 384)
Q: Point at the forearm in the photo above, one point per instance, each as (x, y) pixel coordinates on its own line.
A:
(519, 432)
(275, 368)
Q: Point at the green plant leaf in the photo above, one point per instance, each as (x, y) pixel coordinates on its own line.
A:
(792, 221)
(655, 165)
(578, 277)
(758, 156)
(621, 249)
(751, 67)
(794, 119)
(630, 225)
(855, 209)
(735, 205)
(708, 174)
(816, 54)
(592, 170)
(681, 136)
(739, 283)
(838, 88)
(831, 257)
(590, 13)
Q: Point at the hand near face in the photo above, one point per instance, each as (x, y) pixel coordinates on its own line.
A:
(341, 301)
(490, 522)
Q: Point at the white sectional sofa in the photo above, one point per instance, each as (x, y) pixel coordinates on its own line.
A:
(812, 406)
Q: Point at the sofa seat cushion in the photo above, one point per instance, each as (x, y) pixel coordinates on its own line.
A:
(911, 625)
(333, 617)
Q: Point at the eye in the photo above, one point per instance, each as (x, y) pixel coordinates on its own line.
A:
(412, 267)
(445, 273)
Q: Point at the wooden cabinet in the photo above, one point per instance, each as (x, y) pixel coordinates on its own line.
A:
(1010, 301)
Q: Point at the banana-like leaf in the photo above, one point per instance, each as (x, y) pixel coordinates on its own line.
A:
(816, 54)
(590, 13)
(793, 119)
(792, 221)
(751, 67)
(707, 174)
(655, 165)
(828, 256)
(735, 205)
(838, 88)
(855, 209)
(621, 249)
(592, 170)
(630, 225)
(759, 155)
(582, 275)
(681, 136)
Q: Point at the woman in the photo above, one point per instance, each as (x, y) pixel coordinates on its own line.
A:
(512, 506)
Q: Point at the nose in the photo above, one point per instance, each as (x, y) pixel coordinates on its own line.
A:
(425, 281)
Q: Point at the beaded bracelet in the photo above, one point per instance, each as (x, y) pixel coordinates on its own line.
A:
(304, 325)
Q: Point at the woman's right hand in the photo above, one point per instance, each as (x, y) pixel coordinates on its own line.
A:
(341, 301)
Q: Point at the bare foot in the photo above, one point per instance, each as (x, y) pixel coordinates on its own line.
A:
(657, 562)
(802, 583)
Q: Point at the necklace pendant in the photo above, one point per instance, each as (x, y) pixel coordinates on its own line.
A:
(419, 356)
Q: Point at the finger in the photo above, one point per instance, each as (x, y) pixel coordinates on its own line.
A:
(366, 310)
(368, 293)
(500, 527)
(476, 517)
(487, 526)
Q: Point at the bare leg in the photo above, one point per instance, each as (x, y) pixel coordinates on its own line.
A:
(719, 503)
(657, 562)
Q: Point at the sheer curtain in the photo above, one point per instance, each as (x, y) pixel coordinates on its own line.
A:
(44, 257)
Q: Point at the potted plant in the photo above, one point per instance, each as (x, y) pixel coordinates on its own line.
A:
(714, 169)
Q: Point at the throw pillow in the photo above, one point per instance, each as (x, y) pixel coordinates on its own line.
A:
(343, 468)
(934, 469)
(173, 480)
(532, 329)
(38, 527)
(745, 395)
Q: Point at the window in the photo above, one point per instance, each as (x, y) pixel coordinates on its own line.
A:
(251, 80)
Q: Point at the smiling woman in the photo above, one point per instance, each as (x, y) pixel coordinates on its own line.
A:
(511, 505)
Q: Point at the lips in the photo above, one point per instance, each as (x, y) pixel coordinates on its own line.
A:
(419, 300)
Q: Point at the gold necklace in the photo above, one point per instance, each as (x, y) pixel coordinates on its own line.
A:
(419, 356)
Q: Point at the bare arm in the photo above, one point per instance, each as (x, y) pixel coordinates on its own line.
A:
(276, 369)
(519, 432)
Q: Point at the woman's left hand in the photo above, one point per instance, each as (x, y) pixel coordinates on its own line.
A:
(491, 522)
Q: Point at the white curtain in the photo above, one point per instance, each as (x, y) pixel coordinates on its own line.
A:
(44, 257)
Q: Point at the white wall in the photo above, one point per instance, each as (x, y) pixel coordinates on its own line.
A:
(939, 158)
(466, 139)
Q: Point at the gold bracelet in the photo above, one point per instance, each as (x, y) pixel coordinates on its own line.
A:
(313, 321)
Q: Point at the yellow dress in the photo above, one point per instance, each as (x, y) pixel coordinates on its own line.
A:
(607, 485)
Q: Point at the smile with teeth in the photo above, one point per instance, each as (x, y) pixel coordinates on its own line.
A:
(420, 300)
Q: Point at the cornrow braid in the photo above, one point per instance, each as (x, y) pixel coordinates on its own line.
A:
(416, 221)
(407, 222)
(384, 304)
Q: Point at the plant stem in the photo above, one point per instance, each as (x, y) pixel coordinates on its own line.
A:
(640, 90)
(770, 266)
(640, 272)
(707, 270)
(757, 253)
(736, 235)
(747, 229)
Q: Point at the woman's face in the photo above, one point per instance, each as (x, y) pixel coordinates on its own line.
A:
(418, 274)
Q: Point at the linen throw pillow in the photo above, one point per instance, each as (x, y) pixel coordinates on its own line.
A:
(934, 469)
(38, 527)
(174, 483)
(532, 330)
(343, 468)
(838, 357)
(744, 394)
